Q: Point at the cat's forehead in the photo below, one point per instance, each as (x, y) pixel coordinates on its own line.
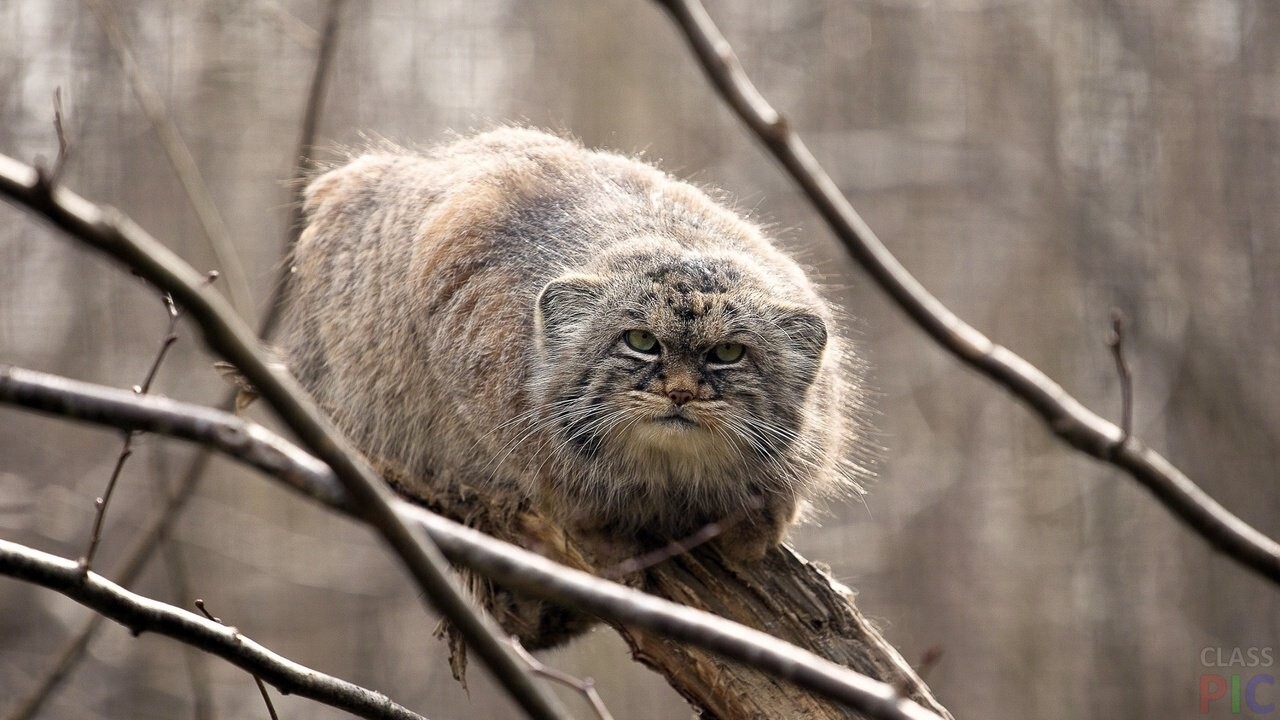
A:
(693, 274)
(689, 299)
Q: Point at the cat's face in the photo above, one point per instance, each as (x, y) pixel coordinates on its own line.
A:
(677, 364)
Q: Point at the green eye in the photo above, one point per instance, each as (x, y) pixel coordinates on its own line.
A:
(641, 341)
(727, 353)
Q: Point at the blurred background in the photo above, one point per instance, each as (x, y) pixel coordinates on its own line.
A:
(1033, 163)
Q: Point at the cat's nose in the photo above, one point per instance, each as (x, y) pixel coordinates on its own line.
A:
(680, 397)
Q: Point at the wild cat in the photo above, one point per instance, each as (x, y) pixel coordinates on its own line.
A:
(573, 328)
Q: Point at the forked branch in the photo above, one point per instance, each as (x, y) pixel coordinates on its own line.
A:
(507, 564)
(141, 614)
(111, 233)
(1065, 416)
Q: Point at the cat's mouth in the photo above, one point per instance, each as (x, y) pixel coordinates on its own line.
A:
(676, 420)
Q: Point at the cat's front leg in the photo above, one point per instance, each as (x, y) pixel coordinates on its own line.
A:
(759, 530)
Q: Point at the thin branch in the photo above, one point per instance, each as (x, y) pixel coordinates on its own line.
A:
(1115, 341)
(142, 548)
(126, 447)
(585, 686)
(170, 337)
(271, 708)
(180, 158)
(303, 162)
(130, 568)
(928, 661)
(111, 233)
(64, 146)
(146, 543)
(195, 662)
(142, 614)
(679, 546)
(100, 503)
(1065, 416)
(506, 564)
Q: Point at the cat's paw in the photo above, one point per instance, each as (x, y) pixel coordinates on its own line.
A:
(749, 542)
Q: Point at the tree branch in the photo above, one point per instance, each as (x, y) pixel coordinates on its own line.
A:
(262, 687)
(583, 686)
(645, 618)
(141, 614)
(146, 542)
(180, 158)
(302, 160)
(126, 450)
(109, 232)
(1065, 416)
(130, 568)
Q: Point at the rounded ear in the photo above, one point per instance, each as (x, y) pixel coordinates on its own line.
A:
(564, 303)
(807, 332)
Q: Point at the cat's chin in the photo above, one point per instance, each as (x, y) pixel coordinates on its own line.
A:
(672, 435)
(669, 433)
(676, 422)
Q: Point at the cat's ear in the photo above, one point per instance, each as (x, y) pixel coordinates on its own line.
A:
(806, 331)
(564, 303)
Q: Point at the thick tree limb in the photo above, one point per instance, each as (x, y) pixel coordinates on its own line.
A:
(141, 614)
(1066, 417)
(784, 594)
(108, 231)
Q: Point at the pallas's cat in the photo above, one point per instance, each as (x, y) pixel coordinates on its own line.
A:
(574, 329)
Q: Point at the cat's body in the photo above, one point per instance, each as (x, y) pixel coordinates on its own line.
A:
(574, 327)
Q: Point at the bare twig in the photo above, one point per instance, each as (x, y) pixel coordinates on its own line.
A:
(111, 233)
(303, 161)
(585, 686)
(64, 146)
(271, 709)
(928, 661)
(141, 550)
(141, 614)
(506, 564)
(180, 157)
(196, 663)
(100, 503)
(1115, 341)
(147, 541)
(704, 535)
(136, 557)
(679, 546)
(130, 568)
(170, 337)
(126, 448)
(1066, 417)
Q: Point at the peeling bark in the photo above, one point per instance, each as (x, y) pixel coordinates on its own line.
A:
(784, 595)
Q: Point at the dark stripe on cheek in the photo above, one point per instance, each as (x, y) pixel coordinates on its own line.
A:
(712, 379)
(576, 429)
(647, 376)
(583, 433)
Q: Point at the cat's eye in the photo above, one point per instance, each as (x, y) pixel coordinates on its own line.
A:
(641, 341)
(727, 353)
